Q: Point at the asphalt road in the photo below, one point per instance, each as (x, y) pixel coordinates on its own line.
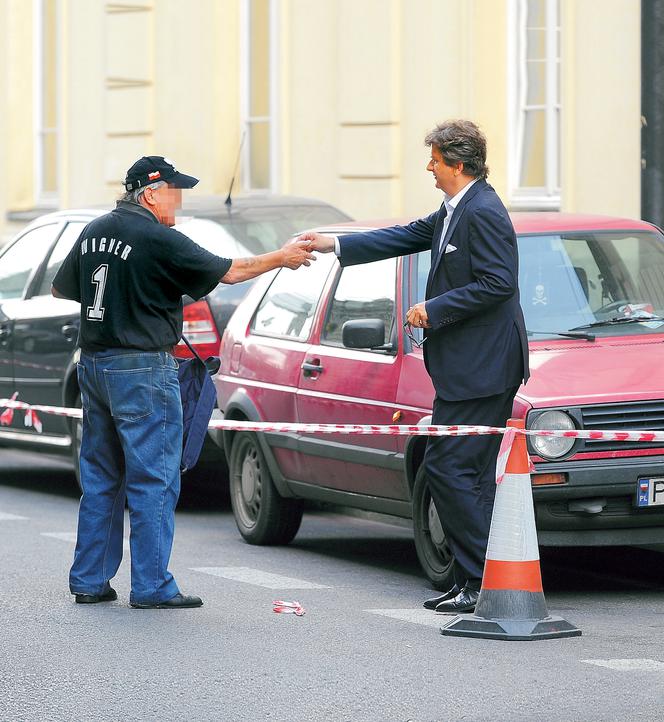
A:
(364, 650)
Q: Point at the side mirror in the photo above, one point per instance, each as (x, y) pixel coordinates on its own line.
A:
(364, 333)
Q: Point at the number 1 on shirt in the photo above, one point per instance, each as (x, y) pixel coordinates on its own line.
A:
(96, 311)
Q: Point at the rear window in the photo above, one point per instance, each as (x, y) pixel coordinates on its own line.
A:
(261, 230)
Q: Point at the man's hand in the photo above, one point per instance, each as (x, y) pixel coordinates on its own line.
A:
(417, 316)
(297, 253)
(318, 241)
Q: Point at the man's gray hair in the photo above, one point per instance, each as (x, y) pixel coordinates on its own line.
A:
(461, 141)
(134, 196)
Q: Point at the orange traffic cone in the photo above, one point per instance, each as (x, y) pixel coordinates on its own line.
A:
(511, 604)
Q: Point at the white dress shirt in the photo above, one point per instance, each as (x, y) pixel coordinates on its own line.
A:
(450, 204)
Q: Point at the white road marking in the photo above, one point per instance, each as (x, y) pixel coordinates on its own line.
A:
(628, 665)
(4, 516)
(70, 536)
(258, 578)
(417, 616)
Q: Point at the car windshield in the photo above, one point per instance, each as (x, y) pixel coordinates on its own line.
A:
(609, 281)
(258, 230)
(598, 279)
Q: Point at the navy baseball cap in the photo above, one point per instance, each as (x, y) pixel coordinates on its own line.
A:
(153, 168)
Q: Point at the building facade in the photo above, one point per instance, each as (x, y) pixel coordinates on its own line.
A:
(323, 98)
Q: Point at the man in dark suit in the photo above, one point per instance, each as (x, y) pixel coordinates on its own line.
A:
(475, 349)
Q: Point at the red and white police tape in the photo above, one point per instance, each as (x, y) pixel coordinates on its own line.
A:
(32, 419)
(375, 429)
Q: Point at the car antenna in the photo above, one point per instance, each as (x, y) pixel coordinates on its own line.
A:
(228, 200)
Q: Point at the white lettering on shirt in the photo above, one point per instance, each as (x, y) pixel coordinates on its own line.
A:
(112, 245)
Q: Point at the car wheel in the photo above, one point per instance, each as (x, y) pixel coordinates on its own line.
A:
(432, 548)
(261, 514)
(76, 436)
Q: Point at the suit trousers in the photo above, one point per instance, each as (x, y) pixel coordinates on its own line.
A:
(461, 472)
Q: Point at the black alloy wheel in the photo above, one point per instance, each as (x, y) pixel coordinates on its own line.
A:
(432, 548)
(261, 514)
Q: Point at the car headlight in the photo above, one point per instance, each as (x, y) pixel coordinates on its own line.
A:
(553, 447)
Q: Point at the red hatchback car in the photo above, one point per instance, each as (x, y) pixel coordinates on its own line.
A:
(325, 344)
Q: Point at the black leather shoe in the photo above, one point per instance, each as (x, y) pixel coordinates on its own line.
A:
(435, 601)
(464, 601)
(109, 596)
(179, 601)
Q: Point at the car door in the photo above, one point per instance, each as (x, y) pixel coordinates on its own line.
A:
(340, 385)
(45, 335)
(268, 360)
(19, 265)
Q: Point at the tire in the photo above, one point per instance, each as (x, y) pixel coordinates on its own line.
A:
(261, 514)
(76, 435)
(432, 548)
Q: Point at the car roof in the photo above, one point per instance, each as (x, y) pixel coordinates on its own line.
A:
(201, 206)
(528, 222)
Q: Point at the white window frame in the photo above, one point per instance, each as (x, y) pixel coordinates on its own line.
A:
(549, 196)
(245, 94)
(42, 198)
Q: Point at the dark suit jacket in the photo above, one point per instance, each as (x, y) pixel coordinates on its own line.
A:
(477, 344)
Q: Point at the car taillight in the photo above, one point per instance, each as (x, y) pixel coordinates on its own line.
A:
(201, 331)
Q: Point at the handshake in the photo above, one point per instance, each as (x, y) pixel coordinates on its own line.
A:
(299, 251)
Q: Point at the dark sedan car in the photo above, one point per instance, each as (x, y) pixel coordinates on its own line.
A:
(38, 333)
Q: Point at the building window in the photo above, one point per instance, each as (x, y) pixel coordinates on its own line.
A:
(259, 96)
(45, 103)
(535, 104)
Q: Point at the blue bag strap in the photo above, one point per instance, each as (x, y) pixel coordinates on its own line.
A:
(211, 368)
(192, 349)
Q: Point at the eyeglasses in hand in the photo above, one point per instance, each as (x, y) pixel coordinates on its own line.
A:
(413, 340)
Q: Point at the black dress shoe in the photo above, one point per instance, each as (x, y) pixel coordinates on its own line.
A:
(435, 601)
(108, 596)
(179, 601)
(464, 601)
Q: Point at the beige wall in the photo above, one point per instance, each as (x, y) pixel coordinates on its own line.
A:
(360, 84)
(601, 158)
(18, 34)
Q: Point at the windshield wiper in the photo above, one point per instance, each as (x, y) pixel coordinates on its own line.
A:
(617, 320)
(568, 334)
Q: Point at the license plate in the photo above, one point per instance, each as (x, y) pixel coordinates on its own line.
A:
(650, 492)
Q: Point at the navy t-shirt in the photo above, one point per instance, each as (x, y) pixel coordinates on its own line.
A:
(129, 273)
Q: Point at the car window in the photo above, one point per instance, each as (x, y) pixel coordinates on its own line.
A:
(213, 237)
(419, 272)
(22, 257)
(287, 308)
(58, 255)
(364, 291)
(266, 229)
(573, 279)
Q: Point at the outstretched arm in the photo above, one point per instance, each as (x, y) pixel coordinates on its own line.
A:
(292, 255)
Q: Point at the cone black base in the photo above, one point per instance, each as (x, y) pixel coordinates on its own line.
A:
(468, 625)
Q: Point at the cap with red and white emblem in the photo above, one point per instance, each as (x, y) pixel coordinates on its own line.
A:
(153, 168)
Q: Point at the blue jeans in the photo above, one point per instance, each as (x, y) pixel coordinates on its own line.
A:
(131, 449)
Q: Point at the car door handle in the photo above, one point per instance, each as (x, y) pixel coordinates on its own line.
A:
(69, 331)
(311, 368)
